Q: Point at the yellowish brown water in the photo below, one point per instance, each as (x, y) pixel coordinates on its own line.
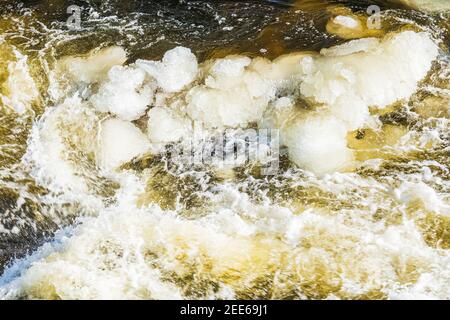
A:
(154, 230)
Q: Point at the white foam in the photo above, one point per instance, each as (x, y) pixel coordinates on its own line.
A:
(47, 152)
(410, 192)
(128, 253)
(21, 90)
(236, 244)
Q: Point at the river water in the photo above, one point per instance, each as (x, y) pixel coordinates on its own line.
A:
(86, 214)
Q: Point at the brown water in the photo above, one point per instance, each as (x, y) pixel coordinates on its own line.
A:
(341, 212)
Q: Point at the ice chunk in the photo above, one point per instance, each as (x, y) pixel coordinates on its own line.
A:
(231, 96)
(347, 21)
(278, 114)
(119, 142)
(233, 66)
(125, 93)
(177, 69)
(352, 111)
(283, 68)
(94, 66)
(360, 45)
(380, 75)
(165, 125)
(318, 143)
(47, 151)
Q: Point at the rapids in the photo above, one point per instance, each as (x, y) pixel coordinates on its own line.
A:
(98, 202)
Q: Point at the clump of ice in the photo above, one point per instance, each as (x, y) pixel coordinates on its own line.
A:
(232, 95)
(318, 143)
(281, 72)
(125, 93)
(347, 80)
(339, 84)
(177, 69)
(355, 46)
(429, 5)
(347, 21)
(379, 75)
(119, 142)
(166, 125)
(93, 67)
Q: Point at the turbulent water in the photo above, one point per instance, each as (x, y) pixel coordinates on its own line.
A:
(92, 205)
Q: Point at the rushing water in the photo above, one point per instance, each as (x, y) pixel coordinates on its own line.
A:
(153, 227)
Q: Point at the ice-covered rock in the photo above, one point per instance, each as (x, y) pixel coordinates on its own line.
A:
(232, 95)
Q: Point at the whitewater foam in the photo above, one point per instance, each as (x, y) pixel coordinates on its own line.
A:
(317, 231)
